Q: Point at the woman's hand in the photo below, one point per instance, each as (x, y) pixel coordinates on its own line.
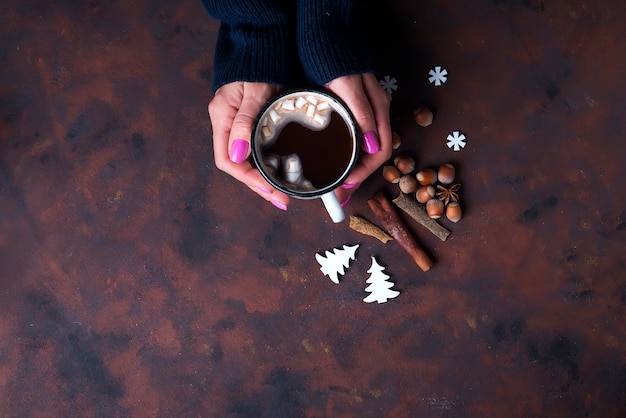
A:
(233, 111)
(235, 106)
(369, 104)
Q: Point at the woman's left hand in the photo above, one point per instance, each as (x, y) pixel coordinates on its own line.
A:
(369, 104)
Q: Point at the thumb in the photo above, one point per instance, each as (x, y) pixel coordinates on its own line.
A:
(351, 90)
(255, 95)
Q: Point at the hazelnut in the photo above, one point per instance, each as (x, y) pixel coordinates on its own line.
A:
(446, 174)
(425, 193)
(423, 116)
(391, 174)
(426, 176)
(453, 212)
(405, 164)
(434, 208)
(396, 141)
(408, 184)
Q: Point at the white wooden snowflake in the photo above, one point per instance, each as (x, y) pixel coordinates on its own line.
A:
(389, 84)
(334, 263)
(438, 75)
(456, 140)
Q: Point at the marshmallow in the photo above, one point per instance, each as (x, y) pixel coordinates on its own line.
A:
(300, 102)
(292, 167)
(266, 131)
(289, 104)
(311, 99)
(319, 119)
(274, 116)
(323, 106)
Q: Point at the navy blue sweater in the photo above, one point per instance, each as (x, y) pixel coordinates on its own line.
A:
(287, 42)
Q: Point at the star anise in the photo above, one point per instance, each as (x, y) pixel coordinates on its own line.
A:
(448, 194)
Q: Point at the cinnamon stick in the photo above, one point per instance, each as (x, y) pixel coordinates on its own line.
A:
(389, 218)
(417, 211)
(364, 226)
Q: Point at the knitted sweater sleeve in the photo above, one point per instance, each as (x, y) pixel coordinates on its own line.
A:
(330, 39)
(256, 41)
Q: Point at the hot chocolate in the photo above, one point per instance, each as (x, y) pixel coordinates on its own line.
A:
(304, 142)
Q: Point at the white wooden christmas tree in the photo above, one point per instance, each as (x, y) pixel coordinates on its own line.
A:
(334, 263)
(380, 287)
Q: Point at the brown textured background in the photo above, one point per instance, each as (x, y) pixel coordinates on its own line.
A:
(138, 280)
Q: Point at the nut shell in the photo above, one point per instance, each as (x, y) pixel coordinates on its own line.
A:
(396, 140)
(423, 116)
(453, 212)
(405, 164)
(426, 176)
(434, 208)
(446, 173)
(425, 193)
(391, 174)
(408, 184)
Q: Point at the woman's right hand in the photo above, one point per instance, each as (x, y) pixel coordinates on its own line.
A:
(233, 111)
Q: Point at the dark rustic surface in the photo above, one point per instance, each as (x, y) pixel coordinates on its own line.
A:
(137, 280)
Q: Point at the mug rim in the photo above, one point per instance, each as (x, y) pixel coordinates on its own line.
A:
(352, 127)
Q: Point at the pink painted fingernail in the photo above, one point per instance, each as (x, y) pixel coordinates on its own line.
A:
(346, 201)
(264, 190)
(370, 142)
(349, 185)
(279, 205)
(238, 151)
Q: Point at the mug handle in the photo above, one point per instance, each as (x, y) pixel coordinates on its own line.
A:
(333, 207)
